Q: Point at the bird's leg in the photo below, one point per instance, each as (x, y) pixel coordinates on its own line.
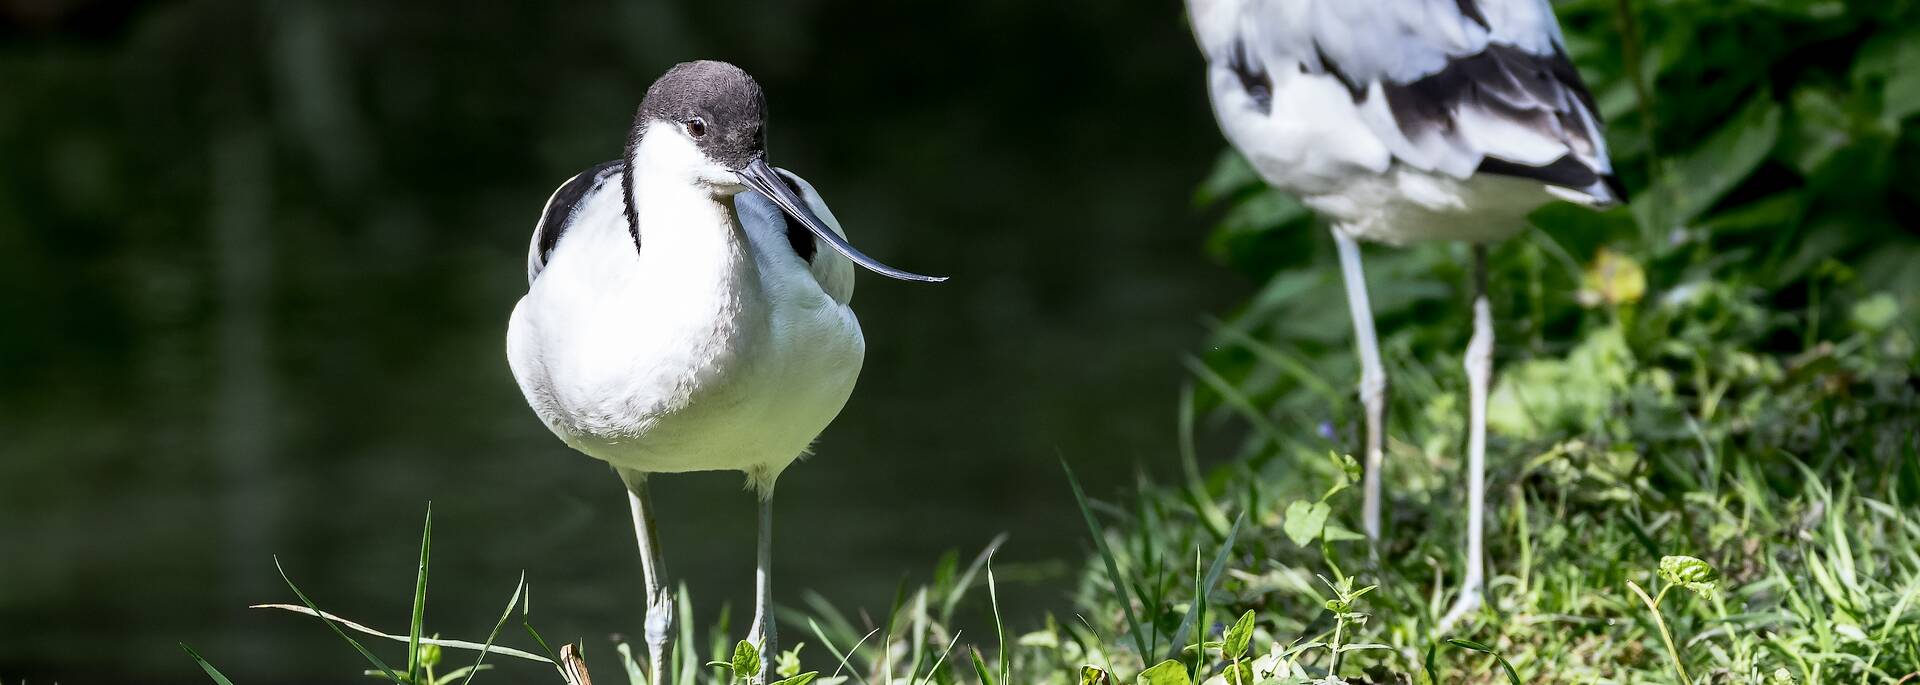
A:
(1479, 364)
(763, 591)
(1373, 381)
(659, 624)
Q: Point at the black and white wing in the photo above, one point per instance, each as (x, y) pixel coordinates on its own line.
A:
(762, 217)
(602, 183)
(1456, 87)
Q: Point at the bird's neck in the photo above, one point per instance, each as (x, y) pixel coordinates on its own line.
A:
(685, 229)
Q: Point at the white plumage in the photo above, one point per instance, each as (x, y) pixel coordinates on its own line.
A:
(1408, 120)
(716, 347)
(681, 314)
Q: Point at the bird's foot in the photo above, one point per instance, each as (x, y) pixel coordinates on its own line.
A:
(659, 631)
(1467, 603)
(762, 638)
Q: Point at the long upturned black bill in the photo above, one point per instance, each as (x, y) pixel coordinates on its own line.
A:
(764, 180)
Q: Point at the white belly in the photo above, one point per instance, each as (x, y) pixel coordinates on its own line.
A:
(1406, 205)
(688, 355)
(1316, 144)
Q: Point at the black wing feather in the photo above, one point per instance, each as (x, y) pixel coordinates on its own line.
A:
(1541, 92)
(560, 210)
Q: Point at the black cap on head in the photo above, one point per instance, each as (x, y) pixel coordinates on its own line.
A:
(717, 104)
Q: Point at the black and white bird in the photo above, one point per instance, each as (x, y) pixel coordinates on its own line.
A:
(1402, 121)
(681, 315)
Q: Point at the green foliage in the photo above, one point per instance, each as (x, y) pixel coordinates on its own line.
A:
(214, 673)
(1690, 573)
(1167, 672)
(1725, 367)
(1513, 677)
(1239, 635)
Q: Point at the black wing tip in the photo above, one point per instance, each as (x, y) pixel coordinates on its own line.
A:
(1568, 172)
(1615, 186)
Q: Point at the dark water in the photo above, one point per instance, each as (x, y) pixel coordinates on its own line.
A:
(256, 261)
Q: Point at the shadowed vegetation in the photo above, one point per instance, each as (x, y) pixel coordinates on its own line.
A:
(1705, 429)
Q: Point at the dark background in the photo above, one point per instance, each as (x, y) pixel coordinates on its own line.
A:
(256, 262)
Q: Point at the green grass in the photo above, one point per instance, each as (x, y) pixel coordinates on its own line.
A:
(1704, 455)
(1790, 480)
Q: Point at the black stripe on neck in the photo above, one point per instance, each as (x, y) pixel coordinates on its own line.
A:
(632, 157)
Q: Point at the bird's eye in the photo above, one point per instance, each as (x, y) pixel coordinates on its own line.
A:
(697, 127)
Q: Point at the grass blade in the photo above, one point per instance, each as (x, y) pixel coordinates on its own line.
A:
(395, 677)
(999, 628)
(212, 672)
(1196, 485)
(965, 580)
(1513, 677)
(1213, 578)
(419, 600)
(943, 658)
(837, 654)
(629, 663)
(686, 656)
(441, 642)
(497, 625)
(1106, 555)
(980, 668)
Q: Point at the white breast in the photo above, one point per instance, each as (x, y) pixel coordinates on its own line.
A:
(1406, 120)
(711, 347)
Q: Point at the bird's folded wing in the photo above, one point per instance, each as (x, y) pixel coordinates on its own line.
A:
(565, 204)
(1451, 86)
(833, 272)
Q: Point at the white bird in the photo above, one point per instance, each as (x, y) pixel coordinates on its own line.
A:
(1401, 121)
(680, 315)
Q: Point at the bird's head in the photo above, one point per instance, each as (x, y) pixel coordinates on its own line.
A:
(706, 121)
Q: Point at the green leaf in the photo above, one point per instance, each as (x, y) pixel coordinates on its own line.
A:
(801, 679)
(999, 627)
(1305, 521)
(1264, 211)
(1334, 532)
(1106, 555)
(1240, 673)
(1167, 672)
(456, 644)
(1231, 174)
(746, 660)
(1690, 573)
(789, 661)
(1239, 636)
(1513, 677)
(1698, 179)
(1820, 128)
(364, 652)
(980, 668)
(1876, 313)
(631, 664)
(1349, 469)
(1213, 578)
(1891, 58)
(1094, 676)
(495, 633)
(212, 672)
(462, 673)
(414, 654)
